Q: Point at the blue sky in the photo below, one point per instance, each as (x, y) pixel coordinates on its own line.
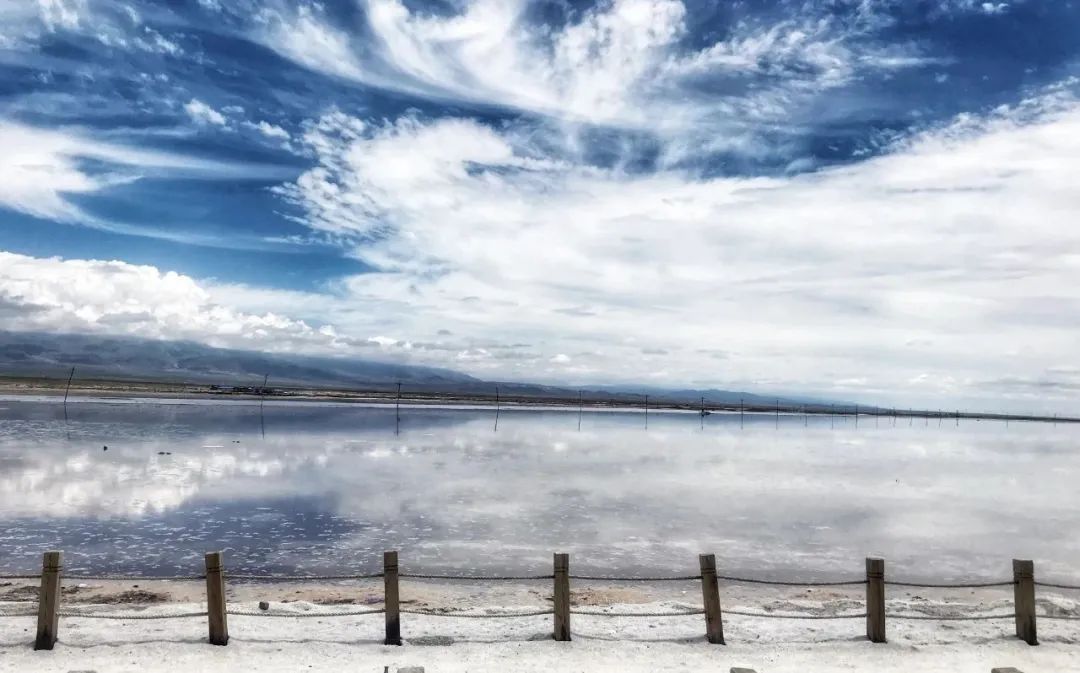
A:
(857, 197)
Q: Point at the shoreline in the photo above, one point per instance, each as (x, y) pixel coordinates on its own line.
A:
(105, 391)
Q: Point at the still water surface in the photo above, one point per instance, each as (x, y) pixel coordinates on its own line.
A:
(326, 488)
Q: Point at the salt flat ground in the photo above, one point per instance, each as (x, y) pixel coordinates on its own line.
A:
(445, 644)
(613, 644)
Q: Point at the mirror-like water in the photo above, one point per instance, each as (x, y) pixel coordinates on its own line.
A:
(323, 488)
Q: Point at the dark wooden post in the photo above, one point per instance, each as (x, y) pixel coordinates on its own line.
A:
(215, 599)
(48, 601)
(391, 598)
(710, 592)
(1024, 596)
(562, 597)
(875, 600)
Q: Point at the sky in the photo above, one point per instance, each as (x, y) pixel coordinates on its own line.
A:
(866, 199)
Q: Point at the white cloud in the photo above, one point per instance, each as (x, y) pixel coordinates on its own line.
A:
(995, 7)
(202, 113)
(961, 236)
(621, 63)
(272, 131)
(40, 170)
(307, 39)
(61, 13)
(115, 297)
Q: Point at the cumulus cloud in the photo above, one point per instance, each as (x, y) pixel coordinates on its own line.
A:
(115, 297)
(272, 131)
(202, 113)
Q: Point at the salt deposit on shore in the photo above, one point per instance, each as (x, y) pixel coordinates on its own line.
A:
(445, 644)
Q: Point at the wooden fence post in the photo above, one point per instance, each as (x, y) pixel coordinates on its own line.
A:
(48, 601)
(391, 598)
(215, 599)
(710, 592)
(562, 597)
(1024, 597)
(875, 600)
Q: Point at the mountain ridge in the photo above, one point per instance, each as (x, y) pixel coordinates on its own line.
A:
(51, 355)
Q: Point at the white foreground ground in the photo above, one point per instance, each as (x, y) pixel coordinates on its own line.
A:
(522, 645)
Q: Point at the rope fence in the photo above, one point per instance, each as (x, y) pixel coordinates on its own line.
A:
(49, 610)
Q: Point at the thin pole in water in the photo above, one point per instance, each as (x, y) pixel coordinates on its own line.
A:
(68, 389)
(497, 405)
(579, 411)
(740, 413)
(262, 398)
(805, 416)
(958, 418)
(856, 415)
(778, 413)
(910, 417)
(940, 414)
(702, 412)
(832, 415)
(397, 410)
(646, 412)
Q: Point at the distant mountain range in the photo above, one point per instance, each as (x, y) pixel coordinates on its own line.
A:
(46, 355)
(42, 354)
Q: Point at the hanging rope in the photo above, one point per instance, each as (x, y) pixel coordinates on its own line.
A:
(126, 617)
(474, 578)
(967, 585)
(951, 618)
(301, 578)
(1071, 587)
(603, 613)
(779, 583)
(499, 615)
(302, 615)
(133, 578)
(612, 578)
(770, 615)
